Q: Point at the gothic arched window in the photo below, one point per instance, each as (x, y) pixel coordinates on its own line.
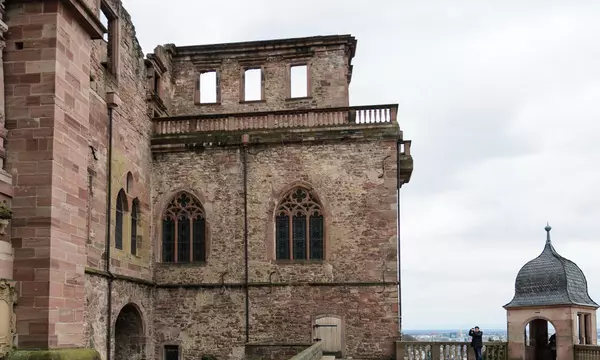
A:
(135, 213)
(299, 227)
(184, 230)
(121, 209)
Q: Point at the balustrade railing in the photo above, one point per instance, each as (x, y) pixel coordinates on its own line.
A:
(587, 352)
(327, 117)
(422, 350)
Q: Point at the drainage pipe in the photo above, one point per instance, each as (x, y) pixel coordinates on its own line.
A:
(111, 107)
(245, 139)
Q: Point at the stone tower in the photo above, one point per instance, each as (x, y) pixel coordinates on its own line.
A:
(550, 289)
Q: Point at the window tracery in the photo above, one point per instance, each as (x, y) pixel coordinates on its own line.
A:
(299, 227)
(184, 230)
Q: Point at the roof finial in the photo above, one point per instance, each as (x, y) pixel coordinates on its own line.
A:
(548, 228)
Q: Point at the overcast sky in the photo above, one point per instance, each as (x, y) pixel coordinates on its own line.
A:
(502, 102)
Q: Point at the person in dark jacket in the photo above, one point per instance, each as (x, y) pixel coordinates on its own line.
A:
(552, 345)
(476, 341)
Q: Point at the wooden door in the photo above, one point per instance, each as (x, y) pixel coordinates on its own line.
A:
(329, 330)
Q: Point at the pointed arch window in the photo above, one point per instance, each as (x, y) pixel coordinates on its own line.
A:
(135, 213)
(120, 213)
(184, 230)
(299, 227)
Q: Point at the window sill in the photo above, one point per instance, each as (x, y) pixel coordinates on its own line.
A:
(207, 104)
(298, 262)
(291, 99)
(253, 101)
(187, 264)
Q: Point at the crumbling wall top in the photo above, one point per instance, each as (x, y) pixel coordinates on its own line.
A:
(290, 46)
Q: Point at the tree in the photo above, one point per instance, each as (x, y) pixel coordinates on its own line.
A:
(407, 337)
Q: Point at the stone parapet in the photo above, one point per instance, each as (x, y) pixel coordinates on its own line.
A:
(273, 351)
(314, 352)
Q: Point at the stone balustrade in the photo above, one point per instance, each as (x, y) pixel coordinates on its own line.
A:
(315, 352)
(282, 119)
(423, 350)
(587, 352)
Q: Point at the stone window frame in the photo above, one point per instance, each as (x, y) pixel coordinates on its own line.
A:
(114, 38)
(130, 196)
(162, 347)
(288, 83)
(197, 95)
(271, 229)
(135, 238)
(121, 209)
(160, 237)
(243, 69)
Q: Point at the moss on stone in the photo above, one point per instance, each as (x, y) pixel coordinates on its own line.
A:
(58, 354)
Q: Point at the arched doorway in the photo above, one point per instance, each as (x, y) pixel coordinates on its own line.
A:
(540, 340)
(129, 334)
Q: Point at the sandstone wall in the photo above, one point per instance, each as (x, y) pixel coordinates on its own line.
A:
(123, 293)
(131, 153)
(359, 206)
(360, 245)
(328, 68)
(131, 158)
(47, 98)
(200, 322)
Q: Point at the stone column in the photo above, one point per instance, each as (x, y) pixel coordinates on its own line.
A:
(581, 333)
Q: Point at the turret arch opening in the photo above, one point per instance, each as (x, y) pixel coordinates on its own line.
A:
(539, 338)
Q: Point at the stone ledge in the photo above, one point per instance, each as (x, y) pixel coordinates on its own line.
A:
(58, 354)
(274, 137)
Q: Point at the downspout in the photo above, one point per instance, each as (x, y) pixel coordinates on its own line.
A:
(399, 184)
(245, 139)
(111, 106)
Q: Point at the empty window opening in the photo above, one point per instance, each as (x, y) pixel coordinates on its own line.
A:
(19, 45)
(109, 19)
(299, 81)
(105, 23)
(171, 352)
(120, 213)
(253, 85)
(129, 182)
(157, 83)
(208, 87)
(135, 212)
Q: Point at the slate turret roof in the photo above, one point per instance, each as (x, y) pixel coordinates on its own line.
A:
(550, 280)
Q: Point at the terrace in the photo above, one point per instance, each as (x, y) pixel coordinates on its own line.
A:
(281, 126)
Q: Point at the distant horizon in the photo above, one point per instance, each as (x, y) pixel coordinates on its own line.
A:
(499, 328)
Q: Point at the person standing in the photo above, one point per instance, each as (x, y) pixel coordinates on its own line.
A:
(476, 341)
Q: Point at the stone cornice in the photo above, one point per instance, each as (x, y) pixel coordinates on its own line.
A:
(84, 16)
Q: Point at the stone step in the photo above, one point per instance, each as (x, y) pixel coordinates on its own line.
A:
(328, 357)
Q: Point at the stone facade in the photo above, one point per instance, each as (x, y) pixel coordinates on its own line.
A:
(95, 163)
